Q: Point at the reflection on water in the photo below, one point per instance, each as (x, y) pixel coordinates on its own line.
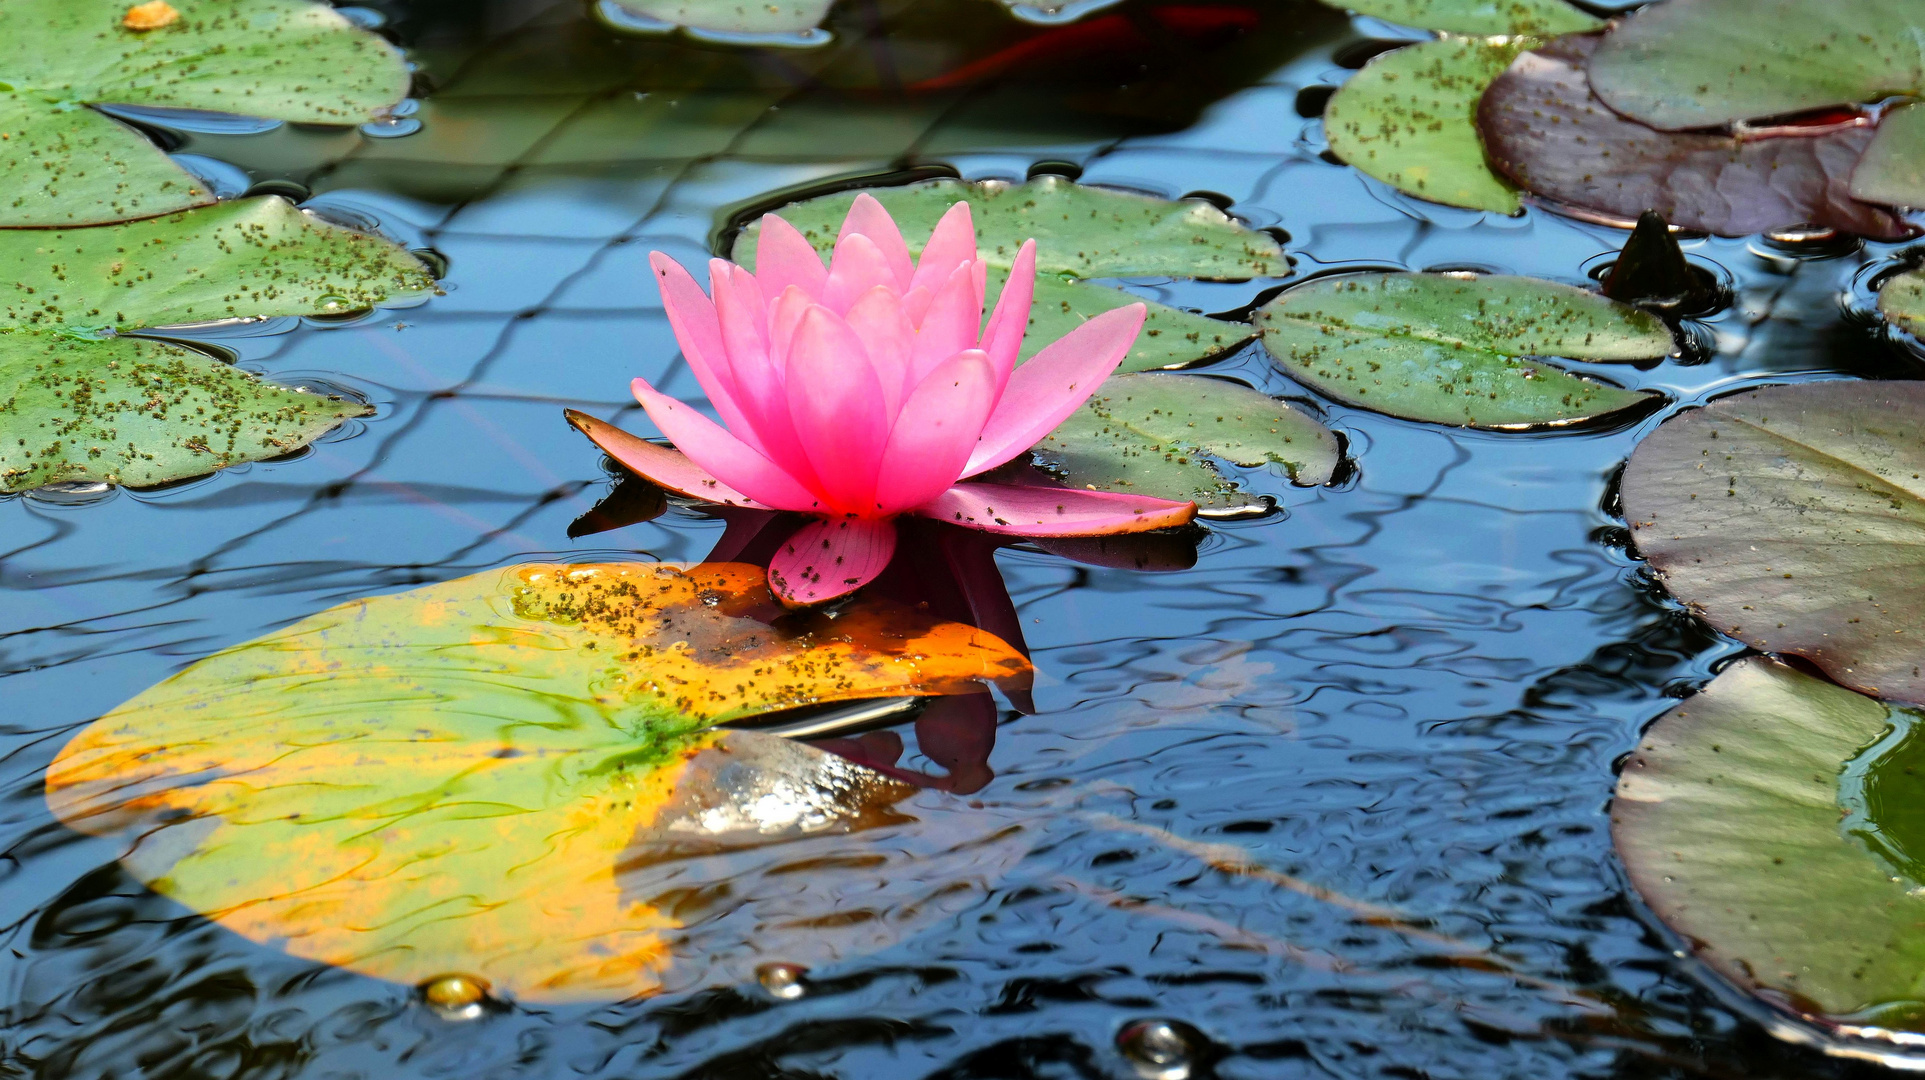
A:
(1408, 690)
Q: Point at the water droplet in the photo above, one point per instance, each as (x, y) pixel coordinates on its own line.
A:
(334, 305)
(393, 127)
(1159, 1049)
(782, 981)
(456, 997)
(72, 493)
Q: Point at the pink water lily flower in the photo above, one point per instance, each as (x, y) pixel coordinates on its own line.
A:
(871, 389)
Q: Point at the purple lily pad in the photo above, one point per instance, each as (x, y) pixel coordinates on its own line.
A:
(1547, 132)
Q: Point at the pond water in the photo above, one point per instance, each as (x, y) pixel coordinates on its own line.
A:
(1403, 696)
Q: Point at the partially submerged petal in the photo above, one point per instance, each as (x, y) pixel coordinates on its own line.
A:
(868, 218)
(1040, 511)
(726, 457)
(660, 465)
(1042, 393)
(784, 257)
(827, 559)
(936, 431)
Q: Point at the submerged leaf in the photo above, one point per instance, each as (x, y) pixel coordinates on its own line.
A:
(1451, 348)
(1902, 300)
(1701, 63)
(1483, 18)
(67, 165)
(1408, 119)
(1149, 434)
(1727, 817)
(248, 258)
(483, 776)
(128, 411)
(1793, 518)
(1547, 132)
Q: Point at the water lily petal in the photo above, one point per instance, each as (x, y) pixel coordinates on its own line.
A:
(724, 456)
(827, 559)
(951, 245)
(761, 396)
(878, 320)
(660, 465)
(950, 326)
(836, 404)
(915, 304)
(784, 257)
(857, 267)
(868, 218)
(1003, 341)
(1042, 393)
(1041, 511)
(784, 316)
(692, 318)
(936, 431)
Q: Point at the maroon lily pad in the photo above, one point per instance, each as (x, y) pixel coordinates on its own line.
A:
(1547, 132)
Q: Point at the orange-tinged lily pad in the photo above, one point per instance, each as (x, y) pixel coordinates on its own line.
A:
(469, 777)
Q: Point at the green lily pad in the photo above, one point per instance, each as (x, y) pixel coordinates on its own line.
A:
(1893, 168)
(65, 164)
(1902, 300)
(486, 775)
(1153, 434)
(1702, 63)
(82, 404)
(1080, 232)
(243, 259)
(1728, 819)
(1483, 18)
(129, 411)
(1409, 119)
(1459, 348)
(733, 16)
(1793, 518)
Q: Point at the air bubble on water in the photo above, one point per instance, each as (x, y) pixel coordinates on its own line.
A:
(393, 127)
(72, 493)
(782, 981)
(1158, 1049)
(456, 997)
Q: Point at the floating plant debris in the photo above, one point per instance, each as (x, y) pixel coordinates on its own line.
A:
(1459, 348)
(486, 776)
(67, 164)
(1793, 519)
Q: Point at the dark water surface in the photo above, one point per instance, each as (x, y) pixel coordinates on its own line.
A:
(1410, 689)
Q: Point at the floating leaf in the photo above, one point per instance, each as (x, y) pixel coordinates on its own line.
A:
(1483, 18)
(91, 406)
(65, 164)
(1727, 817)
(1548, 133)
(1902, 300)
(1702, 63)
(1079, 232)
(1452, 348)
(1893, 168)
(128, 411)
(1408, 119)
(477, 776)
(732, 16)
(1150, 434)
(1793, 518)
